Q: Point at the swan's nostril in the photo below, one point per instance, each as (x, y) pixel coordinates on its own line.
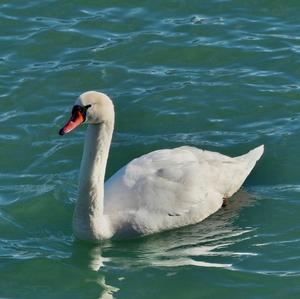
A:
(76, 119)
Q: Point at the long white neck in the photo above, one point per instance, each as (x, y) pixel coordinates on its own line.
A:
(89, 221)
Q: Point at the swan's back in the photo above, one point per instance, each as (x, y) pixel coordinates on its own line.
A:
(174, 187)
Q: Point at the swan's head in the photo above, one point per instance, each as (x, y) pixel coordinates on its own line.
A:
(91, 107)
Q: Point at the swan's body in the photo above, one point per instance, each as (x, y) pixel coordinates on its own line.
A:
(161, 190)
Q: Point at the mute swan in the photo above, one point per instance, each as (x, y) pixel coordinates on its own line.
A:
(158, 191)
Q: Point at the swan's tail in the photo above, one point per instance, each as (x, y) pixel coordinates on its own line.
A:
(246, 162)
(253, 155)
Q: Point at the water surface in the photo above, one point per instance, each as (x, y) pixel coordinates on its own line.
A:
(220, 75)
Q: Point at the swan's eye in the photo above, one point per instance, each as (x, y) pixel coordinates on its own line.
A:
(81, 110)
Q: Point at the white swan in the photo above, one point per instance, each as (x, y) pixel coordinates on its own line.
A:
(161, 190)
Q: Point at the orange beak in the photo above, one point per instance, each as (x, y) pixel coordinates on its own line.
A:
(77, 118)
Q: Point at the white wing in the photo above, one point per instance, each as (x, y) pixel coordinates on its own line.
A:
(177, 181)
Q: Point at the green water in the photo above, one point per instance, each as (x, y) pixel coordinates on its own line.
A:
(220, 75)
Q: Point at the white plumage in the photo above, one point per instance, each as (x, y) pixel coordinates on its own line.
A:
(173, 187)
(158, 191)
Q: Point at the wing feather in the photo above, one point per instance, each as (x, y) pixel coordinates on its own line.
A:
(167, 181)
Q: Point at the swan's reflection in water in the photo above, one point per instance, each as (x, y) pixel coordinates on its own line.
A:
(95, 263)
(90, 257)
(204, 244)
(212, 243)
